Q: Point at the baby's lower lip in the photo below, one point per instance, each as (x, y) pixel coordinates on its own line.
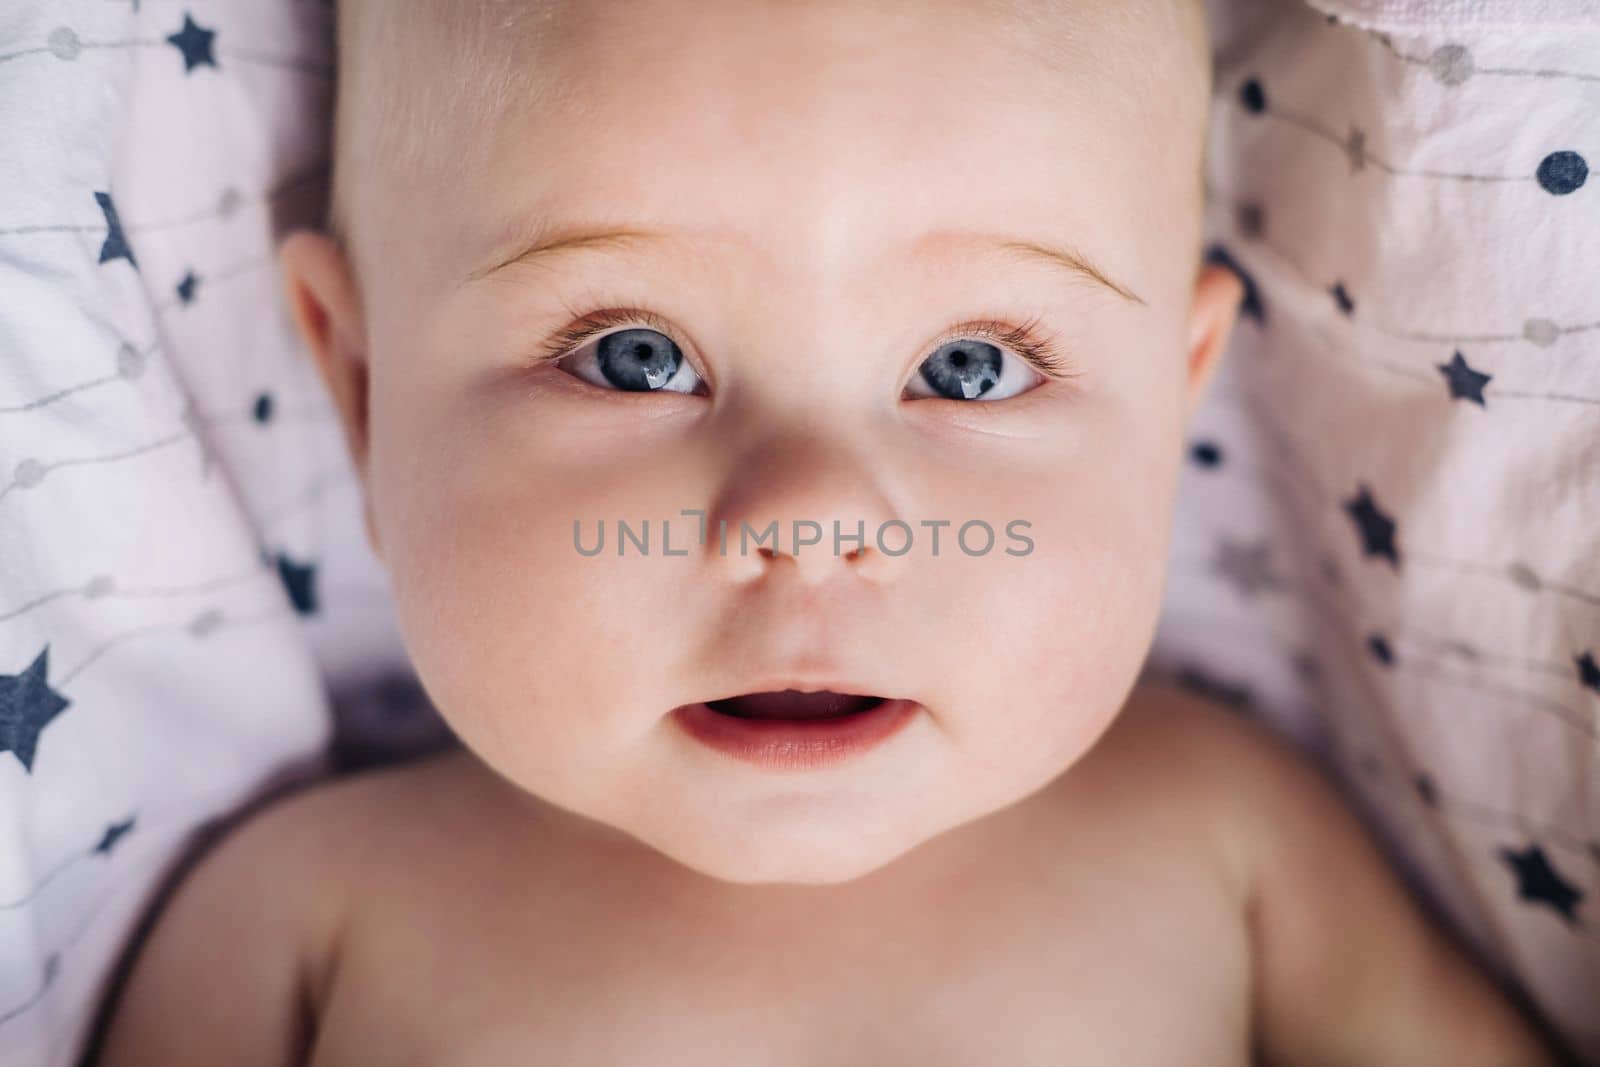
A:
(795, 744)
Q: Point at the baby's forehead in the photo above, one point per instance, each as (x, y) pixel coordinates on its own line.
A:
(434, 90)
(474, 58)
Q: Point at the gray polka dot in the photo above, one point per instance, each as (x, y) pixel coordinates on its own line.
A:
(1524, 576)
(1451, 64)
(98, 586)
(130, 362)
(206, 622)
(29, 473)
(64, 44)
(1541, 332)
(229, 203)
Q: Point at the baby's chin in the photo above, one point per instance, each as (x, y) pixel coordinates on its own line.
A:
(819, 860)
(816, 840)
(819, 851)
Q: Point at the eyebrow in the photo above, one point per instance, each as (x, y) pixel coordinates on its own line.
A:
(548, 245)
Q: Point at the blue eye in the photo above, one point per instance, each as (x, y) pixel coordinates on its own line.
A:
(635, 360)
(645, 358)
(963, 370)
(969, 369)
(638, 360)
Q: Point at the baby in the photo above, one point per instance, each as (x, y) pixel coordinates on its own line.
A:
(769, 413)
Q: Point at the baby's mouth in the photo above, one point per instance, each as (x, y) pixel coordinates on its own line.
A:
(793, 704)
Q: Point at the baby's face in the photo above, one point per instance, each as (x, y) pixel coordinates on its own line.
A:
(807, 326)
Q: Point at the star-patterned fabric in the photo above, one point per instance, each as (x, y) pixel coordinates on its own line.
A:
(182, 596)
(1387, 541)
(27, 704)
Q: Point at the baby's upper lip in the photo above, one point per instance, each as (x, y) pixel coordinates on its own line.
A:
(806, 682)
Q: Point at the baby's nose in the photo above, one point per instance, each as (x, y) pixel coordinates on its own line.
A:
(804, 503)
(816, 550)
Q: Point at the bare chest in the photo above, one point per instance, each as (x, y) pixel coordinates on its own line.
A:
(1094, 956)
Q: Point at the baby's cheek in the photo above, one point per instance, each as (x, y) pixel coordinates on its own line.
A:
(543, 659)
(1078, 613)
(486, 608)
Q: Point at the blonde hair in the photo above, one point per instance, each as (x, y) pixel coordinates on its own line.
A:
(414, 75)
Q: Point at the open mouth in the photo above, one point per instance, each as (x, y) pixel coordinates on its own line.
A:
(787, 730)
(793, 704)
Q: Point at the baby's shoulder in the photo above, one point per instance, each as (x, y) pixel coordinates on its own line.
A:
(317, 851)
(1194, 734)
(250, 921)
(340, 821)
(1195, 760)
(354, 829)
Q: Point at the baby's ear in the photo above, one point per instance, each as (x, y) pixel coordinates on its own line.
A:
(1217, 295)
(326, 307)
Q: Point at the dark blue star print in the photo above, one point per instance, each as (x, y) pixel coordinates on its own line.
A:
(27, 704)
(113, 834)
(1206, 453)
(1379, 647)
(300, 581)
(1588, 671)
(1253, 96)
(263, 408)
(1376, 528)
(1342, 298)
(1465, 383)
(187, 286)
(1540, 883)
(116, 244)
(194, 43)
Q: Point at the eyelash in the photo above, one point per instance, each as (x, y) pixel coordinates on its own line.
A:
(1026, 340)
